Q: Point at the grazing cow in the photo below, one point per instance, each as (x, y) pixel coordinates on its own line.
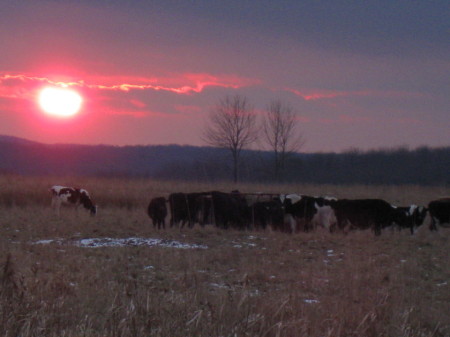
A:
(157, 211)
(229, 209)
(439, 213)
(269, 212)
(184, 208)
(203, 206)
(409, 217)
(310, 212)
(62, 195)
(363, 214)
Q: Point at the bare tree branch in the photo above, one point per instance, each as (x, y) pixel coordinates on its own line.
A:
(232, 125)
(281, 134)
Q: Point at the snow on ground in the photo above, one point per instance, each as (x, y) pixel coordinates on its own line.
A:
(117, 242)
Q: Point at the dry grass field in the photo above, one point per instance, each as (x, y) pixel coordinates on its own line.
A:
(234, 283)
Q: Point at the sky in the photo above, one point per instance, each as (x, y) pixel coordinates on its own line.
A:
(359, 74)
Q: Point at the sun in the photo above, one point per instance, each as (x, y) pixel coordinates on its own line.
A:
(60, 101)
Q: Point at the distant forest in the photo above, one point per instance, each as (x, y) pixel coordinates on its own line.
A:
(424, 166)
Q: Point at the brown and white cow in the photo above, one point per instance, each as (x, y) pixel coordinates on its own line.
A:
(363, 214)
(63, 195)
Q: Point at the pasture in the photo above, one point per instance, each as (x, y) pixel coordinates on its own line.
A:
(133, 280)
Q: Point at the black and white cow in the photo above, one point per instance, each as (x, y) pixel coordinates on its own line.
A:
(63, 195)
(410, 217)
(440, 213)
(363, 214)
(157, 211)
(309, 212)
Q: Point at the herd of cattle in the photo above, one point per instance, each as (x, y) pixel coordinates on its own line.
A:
(281, 212)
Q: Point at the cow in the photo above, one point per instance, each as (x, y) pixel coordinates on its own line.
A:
(229, 210)
(184, 208)
(362, 214)
(157, 211)
(63, 195)
(409, 217)
(203, 208)
(440, 213)
(268, 212)
(309, 212)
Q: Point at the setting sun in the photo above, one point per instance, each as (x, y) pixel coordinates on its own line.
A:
(61, 102)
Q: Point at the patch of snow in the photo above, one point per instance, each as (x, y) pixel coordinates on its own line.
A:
(126, 242)
(441, 284)
(311, 301)
(43, 242)
(218, 285)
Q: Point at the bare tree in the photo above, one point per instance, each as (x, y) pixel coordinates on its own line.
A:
(281, 134)
(232, 125)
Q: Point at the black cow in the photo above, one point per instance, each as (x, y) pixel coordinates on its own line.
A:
(203, 209)
(309, 212)
(363, 214)
(229, 209)
(157, 211)
(439, 213)
(409, 217)
(269, 212)
(184, 208)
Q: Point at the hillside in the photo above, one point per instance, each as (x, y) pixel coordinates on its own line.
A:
(426, 166)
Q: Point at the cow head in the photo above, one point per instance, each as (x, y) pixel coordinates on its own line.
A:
(87, 203)
(93, 210)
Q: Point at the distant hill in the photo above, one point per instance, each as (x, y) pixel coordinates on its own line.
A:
(177, 162)
(22, 156)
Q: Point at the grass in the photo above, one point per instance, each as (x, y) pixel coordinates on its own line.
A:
(245, 283)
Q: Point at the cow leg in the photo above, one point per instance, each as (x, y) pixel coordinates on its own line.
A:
(433, 226)
(56, 205)
(377, 229)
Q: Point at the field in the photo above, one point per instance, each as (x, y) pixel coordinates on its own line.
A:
(207, 281)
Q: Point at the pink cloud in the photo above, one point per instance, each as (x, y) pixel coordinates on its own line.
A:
(180, 84)
(317, 94)
(138, 103)
(111, 94)
(346, 118)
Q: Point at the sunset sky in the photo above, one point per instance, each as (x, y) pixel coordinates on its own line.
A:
(360, 74)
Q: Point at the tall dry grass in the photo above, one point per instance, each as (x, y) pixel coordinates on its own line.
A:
(245, 284)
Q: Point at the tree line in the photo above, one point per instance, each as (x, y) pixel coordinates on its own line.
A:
(423, 166)
(233, 126)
